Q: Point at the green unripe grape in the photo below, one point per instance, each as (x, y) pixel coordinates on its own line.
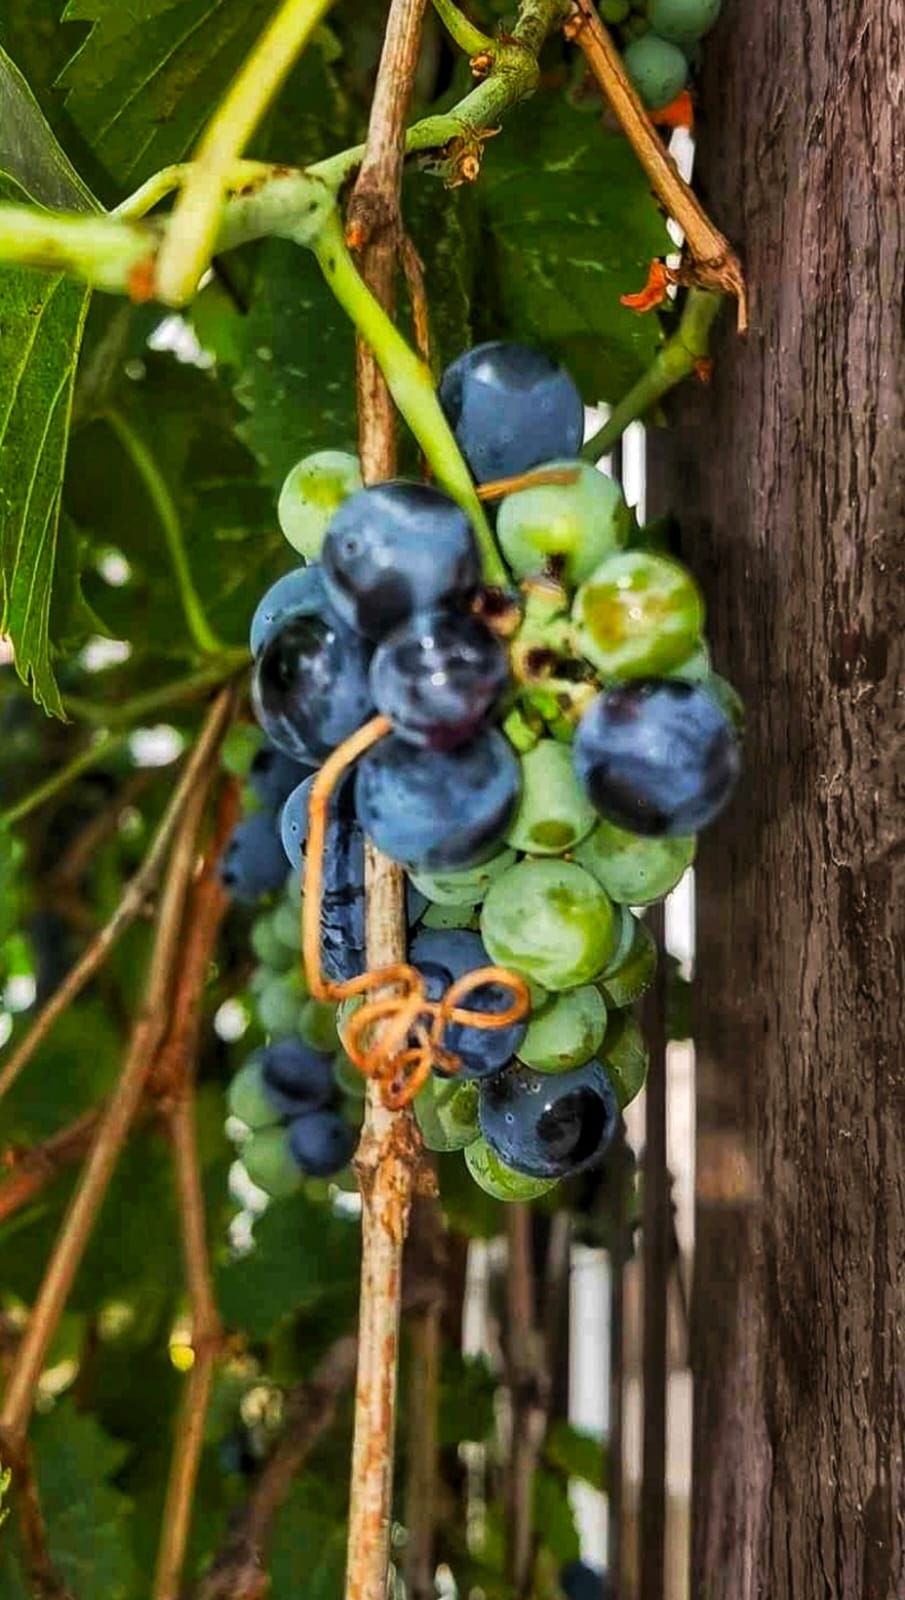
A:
(349, 1080)
(657, 68)
(727, 698)
(313, 491)
(631, 972)
(625, 1056)
(638, 616)
(565, 1032)
(696, 667)
(447, 1114)
(247, 1098)
(465, 888)
(269, 947)
(551, 921)
(287, 923)
(633, 870)
(554, 811)
(317, 1025)
(344, 1011)
(280, 1003)
(683, 21)
(575, 524)
(267, 1160)
(496, 1179)
(450, 917)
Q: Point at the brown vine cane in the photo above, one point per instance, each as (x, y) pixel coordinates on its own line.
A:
(378, 1036)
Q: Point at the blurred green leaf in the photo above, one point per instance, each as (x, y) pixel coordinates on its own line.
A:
(579, 1455)
(301, 1254)
(88, 1521)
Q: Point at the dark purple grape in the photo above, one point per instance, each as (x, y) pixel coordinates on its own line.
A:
(253, 863)
(272, 775)
(321, 1143)
(438, 676)
(394, 549)
(299, 591)
(295, 1077)
(448, 954)
(549, 1124)
(431, 809)
(511, 408)
(309, 686)
(658, 757)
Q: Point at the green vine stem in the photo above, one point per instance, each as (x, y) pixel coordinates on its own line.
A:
(168, 179)
(191, 687)
(462, 32)
(679, 357)
(59, 780)
(142, 460)
(190, 242)
(411, 385)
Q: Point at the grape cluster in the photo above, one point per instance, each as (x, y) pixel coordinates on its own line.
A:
(295, 1102)
(660, 42)
(542, 781)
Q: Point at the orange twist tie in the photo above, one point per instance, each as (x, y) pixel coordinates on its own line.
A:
(396, 1037)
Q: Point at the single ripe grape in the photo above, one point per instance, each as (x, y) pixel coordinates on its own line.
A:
(432, 810)
(551, 921)
(267, 1159)
(247, 1096)
(312, 493)
(253, 863)
(633, 869)
(294, 821)
(300, 591)
(438, 676)
(657, 68)
(568, 528)
(658, 758)
(554, 812)
(579, 1581)
(549, 1124)
(394, 549)
(682, 21)
(565, 1032)
(499, 1180)
(465, 888)
(321, 1143)
(442, 958)
(296, 1077)
(625, 1056)
(637, 615)
(446, 1111)
(272, 775)
(631, 971)
(309, 687)
(511, 408)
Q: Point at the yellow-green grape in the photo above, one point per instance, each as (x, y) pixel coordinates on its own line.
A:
(268, 1162)
(317, 1025)
(438, 916)
(631, 972)
(635, 870)
(281, 1001)
(314, 490)
(638, 615)
(269, 948)
(554, 811)
(247, 1098)
(496, 1179)
(573, 525)
(683, 21)
(625, 1056)
(287, 922)
(657, 68)
(465, 888)
(447, 1113)
(565, 1032)
(349, 1079)
(551, 921)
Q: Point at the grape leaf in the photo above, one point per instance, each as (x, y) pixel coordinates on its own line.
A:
(309, 1551)
(88, 1534)
(297, 381)
(579, 1455)
(301, 1254)
(571, 225)
(554, 1517)
(41, 322)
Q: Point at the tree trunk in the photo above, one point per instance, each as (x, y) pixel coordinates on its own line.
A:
(788, 475)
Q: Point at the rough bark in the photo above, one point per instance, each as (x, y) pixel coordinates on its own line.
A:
(789, 477)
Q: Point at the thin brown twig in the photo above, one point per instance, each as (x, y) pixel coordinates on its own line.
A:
(715, 264)
(78, 856)
(134, 899)
(36, 1168)
(413, 272)
(421, 1489)
(388, 1152)
(174, 1075)
(117, 1119)
(238, 1572)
